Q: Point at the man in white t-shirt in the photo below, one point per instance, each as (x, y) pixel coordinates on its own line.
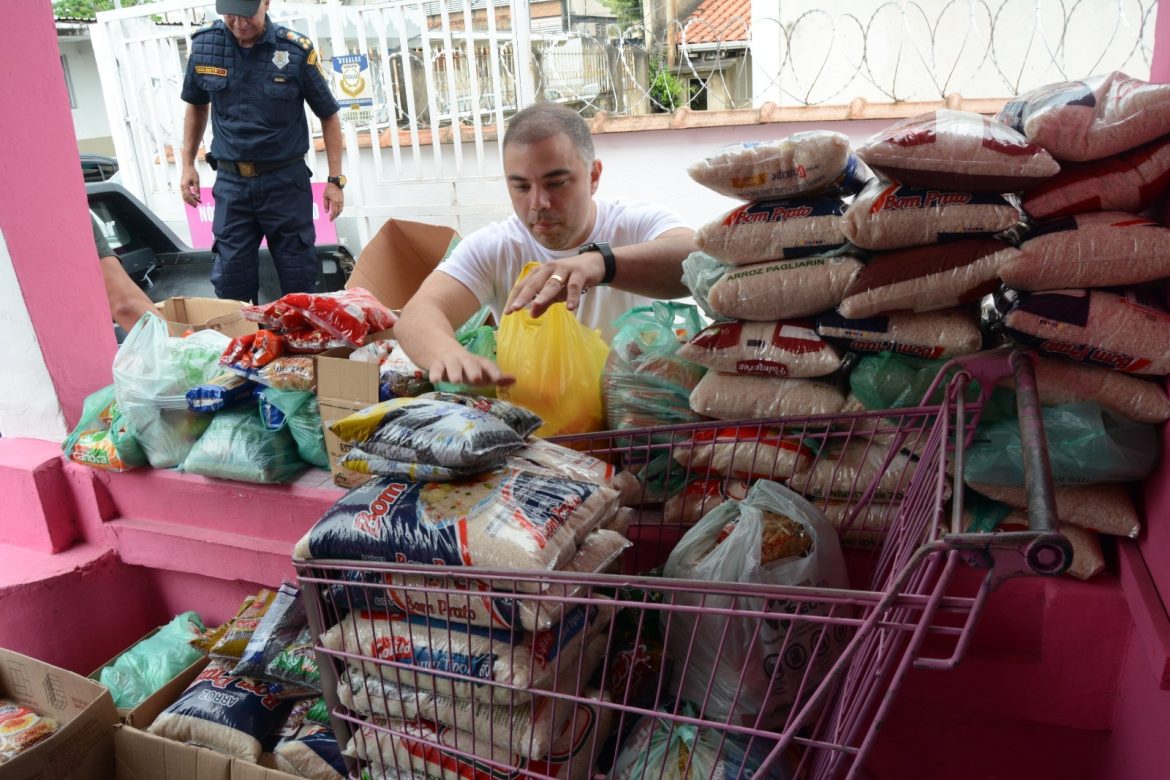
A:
(601, 257)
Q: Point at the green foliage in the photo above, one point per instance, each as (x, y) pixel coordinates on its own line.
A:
(628, 12)
(666, 89)
(87, 9)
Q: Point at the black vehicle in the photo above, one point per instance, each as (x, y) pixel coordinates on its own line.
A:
(98, 167)
(164, 266)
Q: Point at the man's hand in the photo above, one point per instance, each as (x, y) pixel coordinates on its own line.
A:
(189, 186)
(334, 201)
(459, 366)
(565, 280)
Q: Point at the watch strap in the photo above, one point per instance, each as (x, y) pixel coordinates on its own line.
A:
(603, 249)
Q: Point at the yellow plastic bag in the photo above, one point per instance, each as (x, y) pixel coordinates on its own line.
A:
(557, 363)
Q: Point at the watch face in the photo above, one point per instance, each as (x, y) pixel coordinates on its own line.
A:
(338, 180)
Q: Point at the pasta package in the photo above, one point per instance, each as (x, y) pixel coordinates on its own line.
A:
(21, 728)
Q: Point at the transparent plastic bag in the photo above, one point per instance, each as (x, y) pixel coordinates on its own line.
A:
(302, 415)
(700, 272)
(153, 662)
(237, 446)
(101, 438)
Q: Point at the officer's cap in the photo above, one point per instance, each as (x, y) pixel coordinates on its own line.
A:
(237, 7)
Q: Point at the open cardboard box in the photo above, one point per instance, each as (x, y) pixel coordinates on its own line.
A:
(397, 260)
(194, 314)
(83, 746)
(140, 755)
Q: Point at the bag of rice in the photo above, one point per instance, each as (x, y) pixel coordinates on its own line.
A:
(1098, 327)
(1091, 118)
(744, 452)
(1106, 508)
(926, 278)
(1061, 382)
(1132, 181)
(512, 662)
(504, 519)
(801, 164)
(935, 334)
(775, 229)
(783, 290)
(699, 497)
(543, 456)
(734, 397)
(308, 749)
(427, 749)
(222, 712)
(868, 528)
(958, 150)
(846, 472)
(1099, 249)
(762, 349)
(891, 216)
(21, 728)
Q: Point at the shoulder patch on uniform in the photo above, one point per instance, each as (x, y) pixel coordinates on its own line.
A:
(312, 57)
(297, 38)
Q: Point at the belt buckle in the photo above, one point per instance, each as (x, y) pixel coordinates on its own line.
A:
(246, 168)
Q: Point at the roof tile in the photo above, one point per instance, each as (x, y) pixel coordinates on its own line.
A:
(718, 21)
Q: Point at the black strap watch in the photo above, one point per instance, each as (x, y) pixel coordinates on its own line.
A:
(338, 180)
(602, 248)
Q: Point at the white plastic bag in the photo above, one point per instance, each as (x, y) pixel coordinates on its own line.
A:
(725, 546)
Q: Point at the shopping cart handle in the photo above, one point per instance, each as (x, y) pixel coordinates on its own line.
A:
(1013, 553)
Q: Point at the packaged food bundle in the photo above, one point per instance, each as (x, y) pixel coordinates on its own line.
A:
(1133, 397)
(308, 749)
(347, 315)
(788, 348)
(300, 413)
(21, 728)
(151, 663)
(280, 625)
(801, 164)
(291, 372)
(943, 333)
(784, 289)
(296, 663)
(237, 446)
(744, 452)
(541, 455)
(775, 230)
(1105, 508)
(701, 496)
(846, 471)
(738, 397)
(399, 377)
(101, 438)
(231, 643)
(519, 419)
(225, 389)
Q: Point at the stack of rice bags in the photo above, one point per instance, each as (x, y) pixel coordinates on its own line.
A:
(459, 484)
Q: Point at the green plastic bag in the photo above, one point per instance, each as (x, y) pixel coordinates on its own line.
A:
(892, 381)
(982, 514)
(700, 272)
(478, 338)
(101, 438)
(237, 446)
(1086, 443)
(302, 416)
(153, 662)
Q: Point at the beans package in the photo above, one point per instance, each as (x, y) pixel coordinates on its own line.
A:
(775, 229)
(1131, 181)
(926, 278)
(891, 216)
(783, 290)
(1098, 249)
(1105, 508)
(958, 150)
(412, 434)
(519, 419)
(735, 397)
(1091, 326)
(762, 349)
(1062, 382)
(223, 712)
(744, 452)
(21, 728)
(500, 520)
(1091, 118)
(801, 164)
(934, 334)
(423, 645)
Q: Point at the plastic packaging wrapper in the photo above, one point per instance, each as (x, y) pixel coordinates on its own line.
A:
(801, 164)
(944, 333)
(399, 377)
(230, 645)
(846, 472)
(893, 381)
(311, 341)
(1061, 382)
(1098, 327)
(1131, 181)
(868, 529)
(1086, 444)
(237, 446)
(299, 413)
(659, 476)
(101, 438)
(277, 629)
(1091, 118)
(557, 363)
(735, 397)
(790, 348)
(501, 520)
(749, 542)
(153, 662)
(288, 373)
(646, 381)
(1099, 249)
(783, 290)
(519, 419)
(152, 374)
(544, 456)
(958, 150)
(222, 712)
(21, 729)
(373, 351)
(271, 417)
(892, 216)
(701, 496)
(516, 661)
(308, 749)
(426, 750)
(1106, 508)
(478, 338)
(926, 278)
(221, 391)
(775, 229)
(296, 663)
(745, 452)
(348, 315)
(700, 272)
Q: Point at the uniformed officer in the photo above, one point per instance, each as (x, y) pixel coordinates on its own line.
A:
(257, 75)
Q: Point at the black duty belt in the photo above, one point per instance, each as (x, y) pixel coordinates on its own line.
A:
(249, 169)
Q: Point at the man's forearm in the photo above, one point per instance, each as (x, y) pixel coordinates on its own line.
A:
(194, 123)
(424, 333)
(331, 133)
(654, 268)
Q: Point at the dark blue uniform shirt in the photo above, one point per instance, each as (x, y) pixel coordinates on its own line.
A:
(257, 95)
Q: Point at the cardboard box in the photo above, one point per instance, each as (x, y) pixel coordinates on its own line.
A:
(395, 261)
(83, 746)
(140, 755)
(194, 314)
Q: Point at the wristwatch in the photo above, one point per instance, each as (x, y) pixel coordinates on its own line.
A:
(606, 253)
(338, 180)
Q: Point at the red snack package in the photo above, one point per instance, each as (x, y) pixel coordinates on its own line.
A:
(238, 354)
(266, 347)
(311, 341)
(348, 315)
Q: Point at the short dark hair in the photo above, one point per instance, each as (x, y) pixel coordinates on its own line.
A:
(544, 120)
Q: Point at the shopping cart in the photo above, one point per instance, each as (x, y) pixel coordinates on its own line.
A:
(578, 674)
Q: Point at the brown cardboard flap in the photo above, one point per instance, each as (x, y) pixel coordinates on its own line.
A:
(185, 313)
(143, 756)
(396, 261)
